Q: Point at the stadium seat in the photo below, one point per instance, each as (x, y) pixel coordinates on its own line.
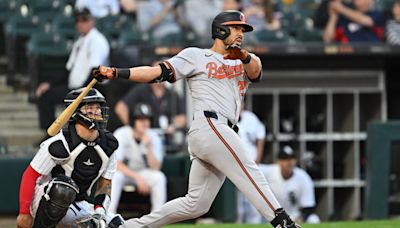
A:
(53, 44)
(292, 23)
(65, 26)
(307, 8)
(271, 36)
(169, 39)
(383, 5)
(132, 37)
(314, 35)
(112, 26)
(8, 9)
(305, 31)
(46, 9)
(18, 31)
(47, 55)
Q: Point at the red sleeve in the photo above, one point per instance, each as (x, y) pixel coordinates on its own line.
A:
(26, 189)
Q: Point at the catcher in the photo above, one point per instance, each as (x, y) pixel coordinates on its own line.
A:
(55, 186)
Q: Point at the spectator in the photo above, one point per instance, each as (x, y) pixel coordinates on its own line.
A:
(90, 50)
(168, 108)
(231, 5)
(139, 158)
(200, 14)
(129, 7)
(321, 15)
(252, 133)
(292, 186)
(361, 24)
(260, 14)
(393, 26)
(160, 18)
(99, 8)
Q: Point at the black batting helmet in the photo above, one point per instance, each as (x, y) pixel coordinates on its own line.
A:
(141, 110)
(221, 22)
(93, 96)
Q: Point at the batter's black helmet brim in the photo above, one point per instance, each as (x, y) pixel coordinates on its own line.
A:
(247, 27)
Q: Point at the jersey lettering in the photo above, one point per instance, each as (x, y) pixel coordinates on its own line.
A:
(224, 71)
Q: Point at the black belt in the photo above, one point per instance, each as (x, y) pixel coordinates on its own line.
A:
(215, 116)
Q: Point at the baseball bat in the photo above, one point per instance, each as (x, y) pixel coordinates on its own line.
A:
(63, 118)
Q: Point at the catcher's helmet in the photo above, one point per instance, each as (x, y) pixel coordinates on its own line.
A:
(93, 96)
(141, 110)
(221, 22)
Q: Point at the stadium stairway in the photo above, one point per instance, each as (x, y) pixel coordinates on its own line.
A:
(19, 131)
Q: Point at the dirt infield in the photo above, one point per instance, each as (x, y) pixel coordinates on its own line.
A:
(7, 222)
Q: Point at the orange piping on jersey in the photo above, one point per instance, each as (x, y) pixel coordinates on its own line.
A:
(240, 163)
(173, 70)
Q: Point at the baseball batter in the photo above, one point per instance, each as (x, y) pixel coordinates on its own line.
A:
(218, 79)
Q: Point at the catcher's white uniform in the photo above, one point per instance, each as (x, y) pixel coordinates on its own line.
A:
(83, 158)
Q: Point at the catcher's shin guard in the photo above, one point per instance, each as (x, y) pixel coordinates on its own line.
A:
(116, 222)
(282, 220)
(59, 194)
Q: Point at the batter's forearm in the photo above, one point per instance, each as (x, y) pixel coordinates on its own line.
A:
(254, 67)
(144, 74)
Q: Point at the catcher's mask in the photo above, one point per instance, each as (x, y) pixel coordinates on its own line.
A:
(92, 112)
(221, 22)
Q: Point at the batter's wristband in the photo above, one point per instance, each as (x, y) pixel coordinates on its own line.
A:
(123, 73)
(247, 59)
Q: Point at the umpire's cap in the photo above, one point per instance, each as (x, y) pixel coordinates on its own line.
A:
(221, 22)
(286, 153)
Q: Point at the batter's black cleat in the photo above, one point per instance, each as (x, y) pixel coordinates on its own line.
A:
(282, 220)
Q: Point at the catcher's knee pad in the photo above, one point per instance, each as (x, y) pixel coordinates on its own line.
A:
(59, 194)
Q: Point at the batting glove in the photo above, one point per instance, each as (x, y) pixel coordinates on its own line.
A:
(236, 52)
(103, 72)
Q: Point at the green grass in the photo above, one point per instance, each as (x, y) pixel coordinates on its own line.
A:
(361, 224)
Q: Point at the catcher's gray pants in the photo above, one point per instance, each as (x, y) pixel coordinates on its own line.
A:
(217, 152)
